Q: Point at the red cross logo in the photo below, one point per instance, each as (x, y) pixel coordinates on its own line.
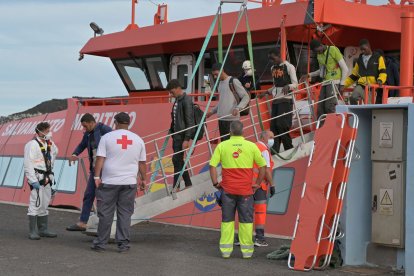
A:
(124, 142)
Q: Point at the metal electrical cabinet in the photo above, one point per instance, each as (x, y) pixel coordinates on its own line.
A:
(388, 155)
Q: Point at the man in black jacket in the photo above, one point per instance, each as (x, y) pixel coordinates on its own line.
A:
(182, 125)
(90, 141)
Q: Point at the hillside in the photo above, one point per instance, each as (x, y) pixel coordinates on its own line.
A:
(49, 106)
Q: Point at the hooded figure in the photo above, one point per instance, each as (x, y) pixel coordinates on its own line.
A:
(246, 78)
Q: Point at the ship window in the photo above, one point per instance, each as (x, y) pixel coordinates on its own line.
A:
(182, 75)
(157, 72)
(4, 164)
(301, 54)
(14, 175)
(65, 176)
(262, 63)
(278, 204)
(133, 74)
(234, 62)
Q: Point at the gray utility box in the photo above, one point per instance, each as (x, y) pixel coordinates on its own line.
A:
(388, 203)
(389, 132)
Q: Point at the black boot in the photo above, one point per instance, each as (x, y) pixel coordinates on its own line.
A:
(33, 235)
(42, 225)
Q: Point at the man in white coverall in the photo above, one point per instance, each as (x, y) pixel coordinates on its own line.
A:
(39, 157)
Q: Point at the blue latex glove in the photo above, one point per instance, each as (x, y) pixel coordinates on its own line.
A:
(36, 185)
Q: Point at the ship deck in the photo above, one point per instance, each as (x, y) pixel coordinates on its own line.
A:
(157, 249)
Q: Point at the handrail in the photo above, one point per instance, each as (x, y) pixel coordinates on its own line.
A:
(385, 92)
(208, 141)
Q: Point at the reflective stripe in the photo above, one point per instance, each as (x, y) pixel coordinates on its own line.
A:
(225, 255)
(226, 246)
(260, 202)
(247, 254)
(259, 226)
(246, 247)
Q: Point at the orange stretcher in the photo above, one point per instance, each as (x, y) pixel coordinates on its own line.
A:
(333, 213)
(316, 192)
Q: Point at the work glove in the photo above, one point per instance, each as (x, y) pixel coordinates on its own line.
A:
(272, 191)
(218, 194)
(36, 185)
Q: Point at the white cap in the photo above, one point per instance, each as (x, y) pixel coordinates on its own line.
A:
(247, 65)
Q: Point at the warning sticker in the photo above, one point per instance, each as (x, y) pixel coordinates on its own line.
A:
(385, 140)
(386, 204)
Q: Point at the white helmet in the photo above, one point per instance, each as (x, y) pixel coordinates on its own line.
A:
(247, 65)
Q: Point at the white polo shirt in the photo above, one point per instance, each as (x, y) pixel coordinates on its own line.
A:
(123, 150)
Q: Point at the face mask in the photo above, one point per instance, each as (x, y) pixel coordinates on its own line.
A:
(270, 142)
(46, 136)
(248, 72)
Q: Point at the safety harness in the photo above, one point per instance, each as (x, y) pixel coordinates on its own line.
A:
(46, 150)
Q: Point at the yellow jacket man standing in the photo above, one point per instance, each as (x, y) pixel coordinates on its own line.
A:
(369, 69)
(237, 157)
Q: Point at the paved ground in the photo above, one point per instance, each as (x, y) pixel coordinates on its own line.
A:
(157, 249)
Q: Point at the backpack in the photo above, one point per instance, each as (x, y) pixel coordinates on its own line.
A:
(198, 115)
(245, 111)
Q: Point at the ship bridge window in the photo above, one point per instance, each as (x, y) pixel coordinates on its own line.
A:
(4, 164)
(157, 73)
(279, 203)
(262, 63)
(234, 62)
(15, 173)
(132, 72)
(182, 75)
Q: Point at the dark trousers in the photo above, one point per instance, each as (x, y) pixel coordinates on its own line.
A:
(88, 198)
(178, 161)
(243, 205)
(282, 124)
(224, 129)
(260, 209)
(329, 105)
(109, 197)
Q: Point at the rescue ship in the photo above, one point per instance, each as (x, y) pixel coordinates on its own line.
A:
(145, 58)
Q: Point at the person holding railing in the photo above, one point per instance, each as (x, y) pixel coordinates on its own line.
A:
(332, 67)
(369, 69)
(284, 80)
(237, 157)
(90, 141)
(182, 121)
(228, 107)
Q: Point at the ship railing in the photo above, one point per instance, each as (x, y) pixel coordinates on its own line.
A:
(253, 124)
(371, 93)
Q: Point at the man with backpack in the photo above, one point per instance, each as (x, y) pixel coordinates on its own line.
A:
(332, 67)
(233, 101)
(182, 125)
(39, 157)
(90, 141)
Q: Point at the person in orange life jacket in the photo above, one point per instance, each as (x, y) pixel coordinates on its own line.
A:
(237, 157)
(90, 141)
(39, 157)
(246, 79)
(284, 81)
(332, 67)
(227, 109)
(260, 196)
(369, 69)
(182, 118)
